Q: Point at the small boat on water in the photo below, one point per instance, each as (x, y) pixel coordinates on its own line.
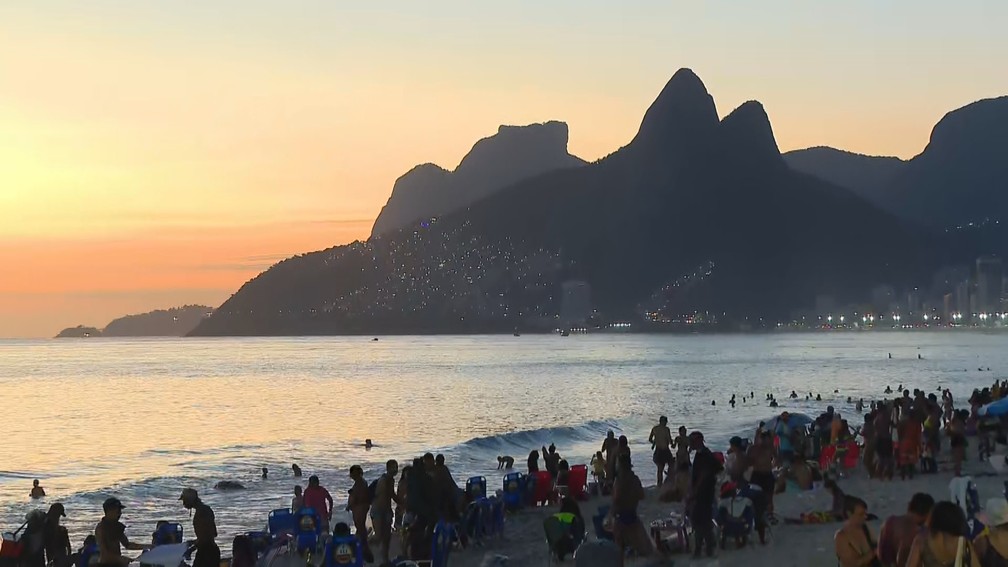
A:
(565, 333)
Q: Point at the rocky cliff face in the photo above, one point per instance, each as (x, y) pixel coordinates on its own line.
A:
(513, 154)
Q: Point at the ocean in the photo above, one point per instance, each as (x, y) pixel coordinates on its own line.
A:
(142, 418)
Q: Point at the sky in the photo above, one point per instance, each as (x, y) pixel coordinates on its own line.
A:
(161, 153)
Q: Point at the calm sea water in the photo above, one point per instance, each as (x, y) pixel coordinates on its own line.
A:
(141, 419)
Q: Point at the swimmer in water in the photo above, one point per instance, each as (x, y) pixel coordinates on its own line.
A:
(818, 398)
(368, 444)
(888, 390)
(297, 470)
(731, 401)
(505, 462)
(37, 491)
(713, 403)
(773, 403)
(265, 473)
(794, 395)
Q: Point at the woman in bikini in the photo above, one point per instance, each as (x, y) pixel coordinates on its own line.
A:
(939, 545)
(855, 546)
(992, 546)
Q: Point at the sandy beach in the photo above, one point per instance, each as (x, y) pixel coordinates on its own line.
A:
(790, 545)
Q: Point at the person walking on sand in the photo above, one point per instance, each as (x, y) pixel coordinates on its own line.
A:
(628, 530)
(318, 498)
(700, 503)
(898, 532)
(297, 502)
(110, 534)
(661, 441)
(358, 505)
(853, 542)
(381, 509)
(205, 528)
(760, 456)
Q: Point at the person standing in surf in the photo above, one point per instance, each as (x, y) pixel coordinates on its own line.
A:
(318, 498)
(681, 445)
(661, 441)
(358, 505)
(381, 509)
(205, 528)
(609, 446)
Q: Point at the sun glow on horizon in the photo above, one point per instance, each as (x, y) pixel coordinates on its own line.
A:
(155, 153)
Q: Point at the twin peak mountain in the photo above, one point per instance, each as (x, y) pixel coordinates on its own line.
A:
(681, 120)
(694, 214)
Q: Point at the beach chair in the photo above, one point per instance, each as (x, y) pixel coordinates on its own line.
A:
(564, 534)
(476, 488)
(473, 522)
(544, 492)
(495, 518)
(736, 516)
(514, 490)
(280, 522)
(344, 551)
(444, 535)
(308, 528)
(166, 533)
(577, 482)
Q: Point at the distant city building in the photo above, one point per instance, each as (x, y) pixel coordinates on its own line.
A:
(883, 297)
(990, 284)
(575, 305)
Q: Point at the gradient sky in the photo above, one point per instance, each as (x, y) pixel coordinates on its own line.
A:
(159, 153)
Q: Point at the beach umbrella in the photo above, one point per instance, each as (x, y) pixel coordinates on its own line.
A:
(794, 420)
(995, 409)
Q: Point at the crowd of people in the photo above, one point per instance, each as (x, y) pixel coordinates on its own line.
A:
(903, 434)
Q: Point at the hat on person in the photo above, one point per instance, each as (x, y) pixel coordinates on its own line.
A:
(112, 504)
(57, 508)
(189, 494)
(996, 512)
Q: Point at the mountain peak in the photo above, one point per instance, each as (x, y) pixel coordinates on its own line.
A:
(512, 154)
(747, 134)
(683, 111)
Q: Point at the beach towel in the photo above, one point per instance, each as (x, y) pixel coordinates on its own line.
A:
(170, 555)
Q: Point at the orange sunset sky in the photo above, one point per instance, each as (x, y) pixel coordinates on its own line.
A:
(159, 153)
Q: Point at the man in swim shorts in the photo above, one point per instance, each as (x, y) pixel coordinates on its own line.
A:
(628, 530)
(381, 508)
(700, 504)
(205, 528)
(760, 456)
(661, 441)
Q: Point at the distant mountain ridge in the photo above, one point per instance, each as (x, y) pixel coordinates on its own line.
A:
(513, 154)
(959, 178)
(690, 199)
(174, 322)
(867, 176)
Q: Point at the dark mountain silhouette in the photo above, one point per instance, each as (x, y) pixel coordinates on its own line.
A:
(78, 332)
(513, 154)
(961, 177)
(962, 174)
(690, 198)
(174, 322)
(868, 176)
